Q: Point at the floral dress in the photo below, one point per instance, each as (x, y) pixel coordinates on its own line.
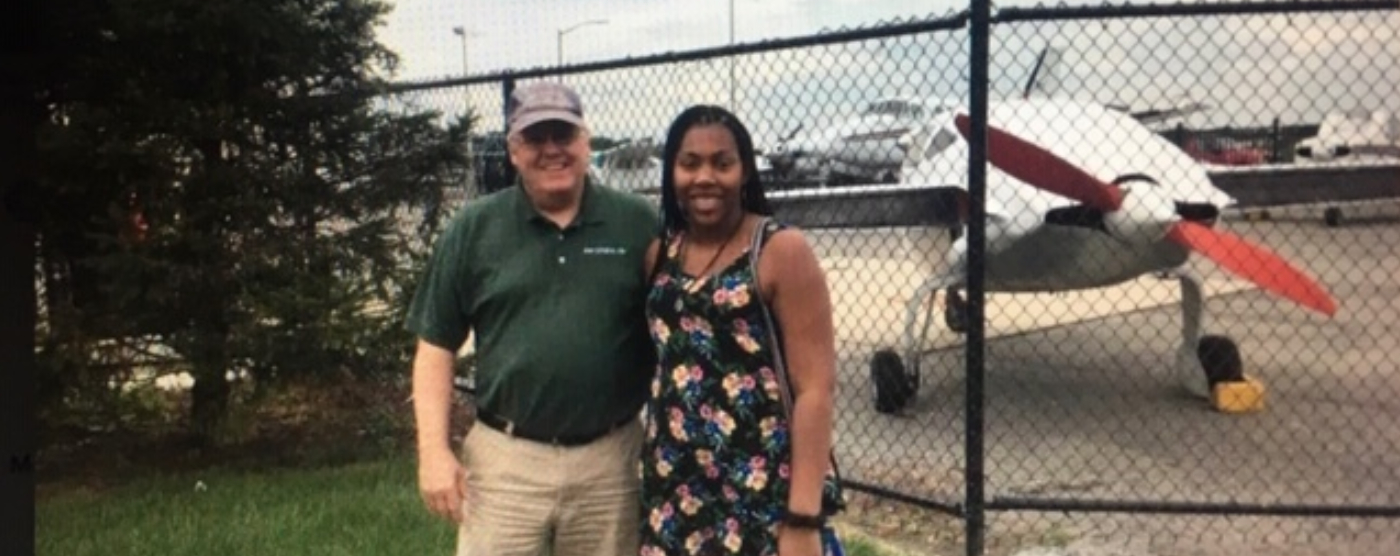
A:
(716, 459)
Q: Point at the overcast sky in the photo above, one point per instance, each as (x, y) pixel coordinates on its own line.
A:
(524, 33)
(1250, 69)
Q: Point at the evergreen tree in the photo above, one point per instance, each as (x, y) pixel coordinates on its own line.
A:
(224, 180)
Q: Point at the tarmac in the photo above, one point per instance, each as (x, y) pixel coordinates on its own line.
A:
(1082, 403)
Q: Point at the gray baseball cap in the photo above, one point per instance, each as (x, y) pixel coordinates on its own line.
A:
(543, 101)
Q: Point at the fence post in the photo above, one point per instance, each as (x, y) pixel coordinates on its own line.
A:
(1275, 140)
(974, 497)
(507, 169)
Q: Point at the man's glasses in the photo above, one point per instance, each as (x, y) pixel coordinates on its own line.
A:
(557, 132)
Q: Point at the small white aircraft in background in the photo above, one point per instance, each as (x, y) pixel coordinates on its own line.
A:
(870, 146)
(1353, 136)
(1080, 196)
(864, 148)
(633, 166)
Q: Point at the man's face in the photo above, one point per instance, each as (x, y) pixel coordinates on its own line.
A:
(551, 156)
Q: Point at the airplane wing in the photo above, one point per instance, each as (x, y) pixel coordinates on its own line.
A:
(1268, 185)
(867, 206)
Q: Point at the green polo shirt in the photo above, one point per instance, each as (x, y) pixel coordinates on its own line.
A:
(561, 338)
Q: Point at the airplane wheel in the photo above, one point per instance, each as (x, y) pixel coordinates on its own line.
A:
(893, 386)
(1332, 216)
(955, 312)
(1220, 358)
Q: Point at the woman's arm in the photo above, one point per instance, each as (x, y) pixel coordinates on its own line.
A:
(795, 285)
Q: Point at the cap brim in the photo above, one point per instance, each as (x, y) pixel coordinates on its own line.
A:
(545, 116)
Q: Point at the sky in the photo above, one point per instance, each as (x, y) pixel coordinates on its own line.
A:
(1249, 69)
(522, 34)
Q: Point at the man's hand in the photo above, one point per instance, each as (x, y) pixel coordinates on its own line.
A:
(793, 541)
(441, 479)
(443, 483)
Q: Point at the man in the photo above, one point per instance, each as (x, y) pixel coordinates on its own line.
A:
(549, 276)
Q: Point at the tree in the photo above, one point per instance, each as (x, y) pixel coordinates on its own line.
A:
(223, 180)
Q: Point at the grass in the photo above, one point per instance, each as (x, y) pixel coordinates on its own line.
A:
(364, 508)
(857, 546)
(354, 509)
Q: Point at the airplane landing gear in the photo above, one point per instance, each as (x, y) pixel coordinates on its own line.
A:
(1220, 359)
(894, 377)
(1332, 216)
(894, 386)
(1216, 357)
(1231, 391)
(954, 311)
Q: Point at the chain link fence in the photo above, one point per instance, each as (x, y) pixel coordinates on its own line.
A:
(1113, 336)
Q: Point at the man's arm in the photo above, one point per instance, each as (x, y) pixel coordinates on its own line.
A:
(441, 477)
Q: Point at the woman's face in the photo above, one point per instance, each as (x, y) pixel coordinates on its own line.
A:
(709, 175)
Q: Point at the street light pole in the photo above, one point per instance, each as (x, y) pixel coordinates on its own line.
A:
(469, 188)
(559, 43)
(731, 56)
(462, 32)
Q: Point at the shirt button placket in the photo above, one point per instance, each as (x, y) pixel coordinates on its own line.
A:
(560, 250)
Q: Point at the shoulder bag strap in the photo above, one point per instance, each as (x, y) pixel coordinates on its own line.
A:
(780, 366)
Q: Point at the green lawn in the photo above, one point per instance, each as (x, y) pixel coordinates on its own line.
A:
(359, 509)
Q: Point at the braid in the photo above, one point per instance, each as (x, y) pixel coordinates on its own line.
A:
(751, 195)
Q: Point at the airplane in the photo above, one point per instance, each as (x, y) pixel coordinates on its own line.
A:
(870, 146)
(1224, 151)
(633, 166)
(1065, 213)
(863, 148)
(1354, 157)
(1355, 135)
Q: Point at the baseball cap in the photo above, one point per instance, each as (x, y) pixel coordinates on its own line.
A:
(540, 102)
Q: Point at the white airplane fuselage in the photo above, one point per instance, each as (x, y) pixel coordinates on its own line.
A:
(1038, 241)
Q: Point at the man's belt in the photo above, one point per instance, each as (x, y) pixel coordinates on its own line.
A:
(511, 429)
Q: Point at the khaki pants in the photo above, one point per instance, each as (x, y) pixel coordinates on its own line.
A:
(524, 495)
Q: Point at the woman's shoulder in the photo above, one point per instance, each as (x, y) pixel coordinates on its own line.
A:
(782, 236)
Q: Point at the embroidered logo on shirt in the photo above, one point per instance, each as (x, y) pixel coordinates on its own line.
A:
(604, 250)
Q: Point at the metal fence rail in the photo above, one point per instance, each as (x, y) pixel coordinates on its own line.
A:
(1037, 395)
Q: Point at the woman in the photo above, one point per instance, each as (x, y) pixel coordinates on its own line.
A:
(723, 470)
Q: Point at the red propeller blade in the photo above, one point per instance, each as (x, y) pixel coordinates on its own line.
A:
(1029, 163)
(1255, 263)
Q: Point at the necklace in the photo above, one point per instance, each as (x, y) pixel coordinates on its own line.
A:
(704, 275)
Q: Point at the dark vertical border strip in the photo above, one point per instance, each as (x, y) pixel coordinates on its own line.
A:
(18, 122)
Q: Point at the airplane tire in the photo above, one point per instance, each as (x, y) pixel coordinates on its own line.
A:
(893, 387)
(1220, 359)
(1332, 216)
(955, 314)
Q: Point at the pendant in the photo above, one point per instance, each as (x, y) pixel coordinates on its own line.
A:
(696, 284)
